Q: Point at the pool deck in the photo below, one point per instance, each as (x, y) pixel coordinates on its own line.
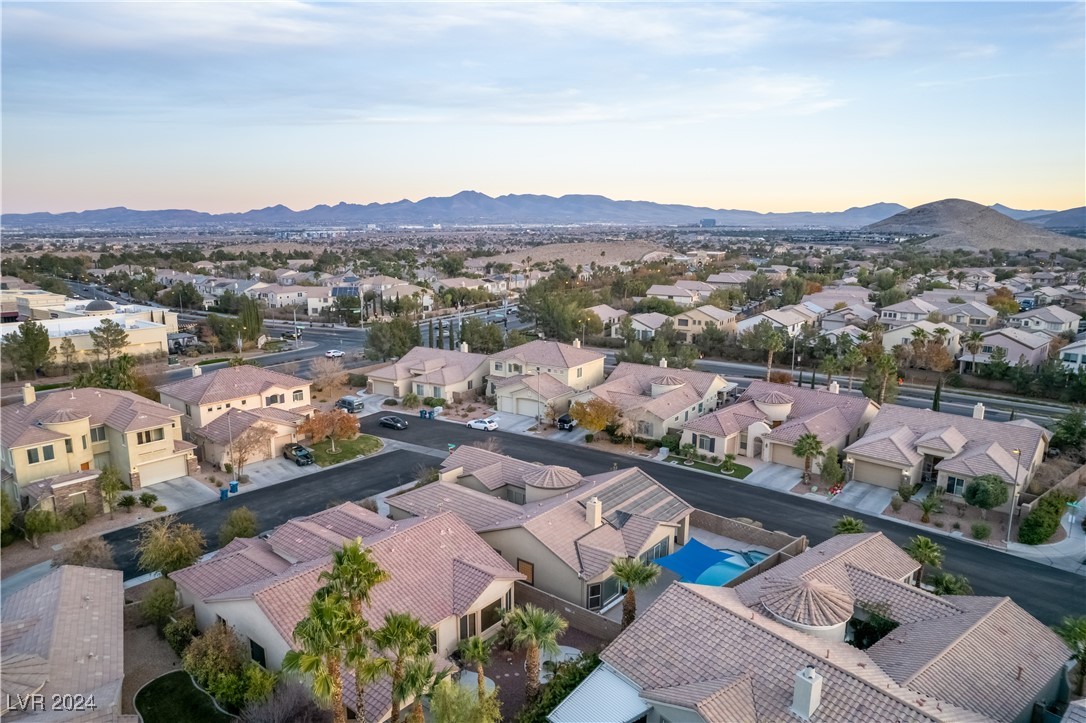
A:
(720, 542)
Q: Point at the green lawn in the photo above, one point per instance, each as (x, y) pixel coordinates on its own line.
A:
(172, 698)
(738, 471)
(346, 449)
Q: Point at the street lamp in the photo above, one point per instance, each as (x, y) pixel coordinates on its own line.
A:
(1014, 500)
(795, 338)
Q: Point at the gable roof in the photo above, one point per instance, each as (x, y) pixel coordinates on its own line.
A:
(549, 353)
(713, 312)
(630, 387)
(1053, 314)
(651, 319)
(432, 366)
(236, 421)
(912, 306)
(229, 384)
(545, 385)
(1028, 339)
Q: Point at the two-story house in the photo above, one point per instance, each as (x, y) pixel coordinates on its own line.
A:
(218, 408)
(675, 294)
(692, 322)
(905, 334)
(432, 373)
(906, 312)
(79, 430)
(1051, 320)
(970, 316)
(540, 377)
(1019, 347)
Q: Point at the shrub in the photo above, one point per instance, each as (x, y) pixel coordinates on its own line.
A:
(239, 523)
(218, 650)
(896, 503)
(127, 502)
(244, 479)
(158, 508)
(89, 552)
(37, 523)
(358, 380)
(159, 603)
(390, 403)
(368, 504)
(980, 531)
(290, 702)
(905, 490)
(470, 408)
(671, 441)
(957, 525)
(75, 516)
(179, 633)
(589, 437)
(567, 676)
(1043, 521)
(954, 380)
(411, 401)
(148, 499)
(228, 468)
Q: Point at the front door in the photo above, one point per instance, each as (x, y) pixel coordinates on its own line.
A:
(85, 466)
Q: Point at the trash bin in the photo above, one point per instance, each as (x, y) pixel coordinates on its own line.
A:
(233, 486)
(422, 414)
(430, 414)
(224, 494)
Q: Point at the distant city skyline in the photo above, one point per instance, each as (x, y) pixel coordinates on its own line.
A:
(803, 106)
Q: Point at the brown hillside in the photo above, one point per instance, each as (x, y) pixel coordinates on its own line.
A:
(963, 224)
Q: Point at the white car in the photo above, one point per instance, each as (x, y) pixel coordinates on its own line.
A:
(333, 353)
(488, 425)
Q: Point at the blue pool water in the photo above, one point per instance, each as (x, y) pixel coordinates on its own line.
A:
(722, 572)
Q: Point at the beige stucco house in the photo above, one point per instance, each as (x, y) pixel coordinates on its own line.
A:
(659, 399)
(559, 529)
(540, 377)
(432, 373)
(439, 571)
(79, 430)
(904, 335)
(921, 446)
(768, 418)
(692, 322)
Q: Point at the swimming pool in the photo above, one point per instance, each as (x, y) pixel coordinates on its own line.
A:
(723, 572)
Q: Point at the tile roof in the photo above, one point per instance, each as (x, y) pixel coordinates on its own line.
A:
(1028, 339)
(477, 509)
(236, 421)
(1053, 314)
(665, 290)
(807, 601)
(630, 387)
(123, 411)
(547, 386)
(715, 313)
(549, 353)
(228, 384)
(725, 699)
(243, 561)
(312, 537)
(606, 313)
(651, 319)
(912, 306)
(492, 469)
(72, 621)
(433, 366)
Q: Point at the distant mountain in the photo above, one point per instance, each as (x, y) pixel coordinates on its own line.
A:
(963, 224)
(1017, 214)
(1073, 219)
(465, 208)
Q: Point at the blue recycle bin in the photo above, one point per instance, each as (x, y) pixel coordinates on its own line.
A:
(422, 414)
(233, 486)
(430, 414)
(224, 494)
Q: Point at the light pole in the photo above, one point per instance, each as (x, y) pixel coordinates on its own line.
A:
(795, 338)
(230, 434)
(295, 330)
(1014, 499)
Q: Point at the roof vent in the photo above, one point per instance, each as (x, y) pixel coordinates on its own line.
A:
(807, 694)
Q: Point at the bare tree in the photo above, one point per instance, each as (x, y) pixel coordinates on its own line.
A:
(490, 444)
(248, 443)
(88, 552)
(328, 372)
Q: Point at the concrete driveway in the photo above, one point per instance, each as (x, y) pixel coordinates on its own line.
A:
(864, 497)
(182, 493)
(774, 477)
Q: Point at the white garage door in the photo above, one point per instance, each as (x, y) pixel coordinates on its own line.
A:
(161, 471)
(506, 404)
(528, 407)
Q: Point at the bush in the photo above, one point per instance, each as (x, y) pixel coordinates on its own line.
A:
(905, 490)
(290, 702)
(411, 401)
(179, 633)
(390, 403)
(217, 651)
(239, 523)
(1043, 521)
(671, 441)
(147, 499)
(589, 437)
(75, 516)
(980, 531)
(368, 504)
(127, 502)
(158, 508)
(954, 380)
(358, 380)
(896, 503)
(432, 401)
(159, 603)
(228, 467)
(567, 676)
(90, 552)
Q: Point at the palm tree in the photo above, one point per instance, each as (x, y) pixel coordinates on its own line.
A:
(848, 526)
(1073, 632)
(973, 341)
(419, 680)
(808, 446)
(852, 359)
(947, 583)
(633, 573)
(322, 636)
(403, 639)
(773, 344)
(926, 552)
(942, 334)
(830, 365)
(353, 574)
(476, 651)
(536, 630)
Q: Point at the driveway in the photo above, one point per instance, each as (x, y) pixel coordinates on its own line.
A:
(775, 477)
(864, 497)
(182, 493)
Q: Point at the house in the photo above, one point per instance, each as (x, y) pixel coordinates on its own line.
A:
(63, 647)
(1051, 320)
(919, 446)
(790, 321)
(702, 288)
(833, 297)
(439, 571)
(644, 325)
(774, 648)
(730, 280)
(218, 408)
(147, 328)
(1073, 356)
(906, 312)
(768, 419)
(609, 316)
(1020, 347)
(854, 334)
(855, 315)
(904, 335)
(675, 294)
(691, 322)
(78, 430)
(459, 282)
(659, 399)
(970, 316)
(559, 529)
(539, 377)
(432, 373)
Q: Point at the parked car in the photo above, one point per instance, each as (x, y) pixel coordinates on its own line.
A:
(392, 422)
(351, 404)
(333, 353)
(488, 425)
(299, 454)
(566, 422)
(292, 335)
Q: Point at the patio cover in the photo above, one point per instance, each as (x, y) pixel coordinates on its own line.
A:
(691, 560)
(602, 697)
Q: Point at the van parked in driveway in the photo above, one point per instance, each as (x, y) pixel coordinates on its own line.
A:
(351, 404)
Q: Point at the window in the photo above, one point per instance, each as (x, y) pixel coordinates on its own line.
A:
(437, 392)
(32, 456)
(974, 321)
(256, 652)
(298, 395)
(601, 593)
(515, 368)
(188, 410)
(228, 405)
(420, 390)
(1073, 358)
(84, 441)
(644, 428)
(47, 452)
(527, 569)
(498, 366)
(149, 435)
(467, 626)
(987, 349)
(275, 399)
(471, 383)
(706, 442)
(660, 549)
(508, 598)
(98, 434)
(683, 322)
(68, 446)
(580, 372)
(955, 485)
(490, 615)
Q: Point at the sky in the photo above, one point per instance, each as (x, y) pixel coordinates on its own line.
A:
(763, 106)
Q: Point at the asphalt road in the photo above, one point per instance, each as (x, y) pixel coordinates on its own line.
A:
(1048, 593)
(275, 505)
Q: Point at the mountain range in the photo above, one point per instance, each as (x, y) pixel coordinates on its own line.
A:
(468, 208)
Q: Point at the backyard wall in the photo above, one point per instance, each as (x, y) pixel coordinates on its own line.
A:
(1072, 484)
(744, 532)
(578, 617)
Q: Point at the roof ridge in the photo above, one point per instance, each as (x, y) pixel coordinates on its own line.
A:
(939, 656)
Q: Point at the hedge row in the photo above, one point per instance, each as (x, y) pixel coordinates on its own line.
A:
(1043, 521)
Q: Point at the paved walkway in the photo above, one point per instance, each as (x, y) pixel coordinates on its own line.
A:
(1067, 554)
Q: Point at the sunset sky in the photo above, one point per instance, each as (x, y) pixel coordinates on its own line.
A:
(769, 107)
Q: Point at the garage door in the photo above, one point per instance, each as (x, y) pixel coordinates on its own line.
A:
(528, 407)
(383, 387)
(783, 455)
(507, 404)
(877, 474)
(160, 471)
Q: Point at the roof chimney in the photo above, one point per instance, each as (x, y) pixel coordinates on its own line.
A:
(576, 343)
(835, 388)
(978, 410)
(29, 395)
(663, 362)
(593, 512)
(197, 370)
(807, 695)
(464, 347)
